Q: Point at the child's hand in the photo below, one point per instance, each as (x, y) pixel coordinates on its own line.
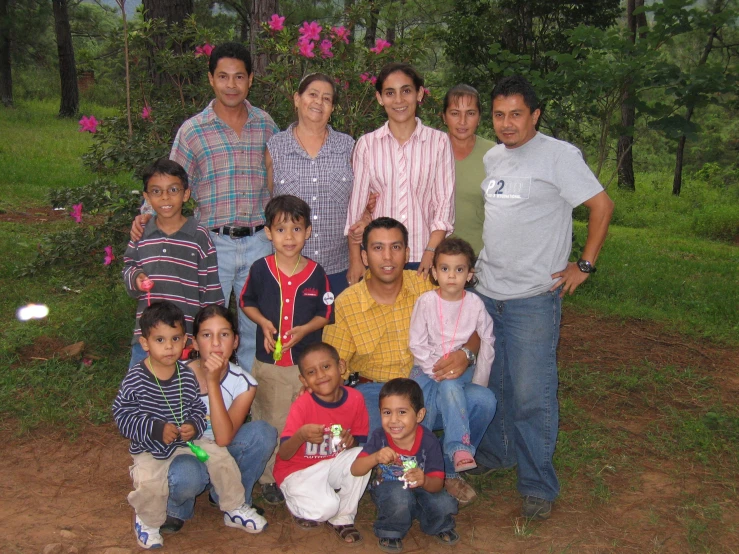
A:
(213, 366)
(387, 456)
(141, 277)
(415, 477)
(312, 432)
(187, 432)
(296, 334)
(347, 439)
(170, 433)
(269, 336)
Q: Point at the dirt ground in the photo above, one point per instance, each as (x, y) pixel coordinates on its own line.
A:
(62, 496)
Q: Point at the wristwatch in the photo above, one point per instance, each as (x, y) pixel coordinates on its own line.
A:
(585, 266)
(471, 356)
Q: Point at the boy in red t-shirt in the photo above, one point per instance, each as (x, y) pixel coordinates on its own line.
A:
(312, 468)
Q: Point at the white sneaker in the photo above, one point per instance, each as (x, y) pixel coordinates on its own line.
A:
(245, 517)
(147, 537)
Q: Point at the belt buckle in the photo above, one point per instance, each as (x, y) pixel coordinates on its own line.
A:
(231, 232)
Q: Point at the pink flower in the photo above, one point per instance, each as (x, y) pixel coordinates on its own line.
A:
(204, 50)
(89, 124)
(373, 80)
(109, 257)
(341, 33)
(276, 23)
(146, 112)
(310, 31)
(325, 47)
(426, 92)
(305, 48)
(76, 213)
(380, 45)
(87, 361)
(364, 77)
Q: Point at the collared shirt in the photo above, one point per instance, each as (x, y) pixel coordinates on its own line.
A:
(325, 183)
(415, 182)
(183, 266)
(227, 174)
(373, 338)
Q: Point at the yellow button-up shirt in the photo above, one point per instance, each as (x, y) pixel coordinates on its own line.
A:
(373, 338)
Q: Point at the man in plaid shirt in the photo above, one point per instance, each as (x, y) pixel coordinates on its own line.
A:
(371, 333)
(222, 149)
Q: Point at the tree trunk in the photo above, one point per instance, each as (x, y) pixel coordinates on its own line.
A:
(624, 150)
(677, 181)
(67, 69)
(6, 75)
(261, 10)
(348, 6)
(371, 34)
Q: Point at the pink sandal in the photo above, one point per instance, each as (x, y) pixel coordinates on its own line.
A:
(463, 461)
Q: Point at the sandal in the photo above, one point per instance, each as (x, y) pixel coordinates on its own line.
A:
(463, 461)
(347, 534)
(305, 524)
(390, 545)
(447, 537)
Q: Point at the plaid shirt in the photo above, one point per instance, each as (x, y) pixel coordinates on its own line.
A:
(373, 338)
(325, 183)
(227, 174)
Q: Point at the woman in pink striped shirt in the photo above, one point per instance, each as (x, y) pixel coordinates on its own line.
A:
(411, 168)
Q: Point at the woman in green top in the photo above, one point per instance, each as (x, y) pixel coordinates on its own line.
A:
(461, 115)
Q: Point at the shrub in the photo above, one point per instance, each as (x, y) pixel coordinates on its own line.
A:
(717, 222)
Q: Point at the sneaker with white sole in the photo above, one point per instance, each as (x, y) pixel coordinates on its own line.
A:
(147, 537)
(245, 517)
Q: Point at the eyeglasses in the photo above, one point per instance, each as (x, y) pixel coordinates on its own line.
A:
(173, 191)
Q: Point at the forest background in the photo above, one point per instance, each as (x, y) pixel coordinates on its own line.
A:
(646, 89)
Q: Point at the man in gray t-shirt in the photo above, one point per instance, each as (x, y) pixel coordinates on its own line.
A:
(532, 184)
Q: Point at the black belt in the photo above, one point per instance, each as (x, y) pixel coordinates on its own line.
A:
(238, 232)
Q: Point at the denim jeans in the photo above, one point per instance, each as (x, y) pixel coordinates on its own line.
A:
(137, 354)
(480, 406)
(524, 380)
(251, 448)
(235, 257)
(398, 507)
(446, 398)
(337, 282)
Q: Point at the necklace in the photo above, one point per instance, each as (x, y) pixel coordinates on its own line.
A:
(323, 141)
(444, 349)
(277, 354)
(200, 454)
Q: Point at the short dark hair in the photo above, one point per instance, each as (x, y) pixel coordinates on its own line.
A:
(312, 78)
(288, 206)
(234, 50)
(165, 166)
(455, 246)
(391, 68)
(404, 387)
(161, 312)
(384, 223)
(318, 347)
(516, 84)
(461, 91)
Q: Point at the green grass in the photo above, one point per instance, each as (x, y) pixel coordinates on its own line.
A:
(40, 151)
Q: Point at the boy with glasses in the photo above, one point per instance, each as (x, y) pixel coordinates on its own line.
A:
(175, 253)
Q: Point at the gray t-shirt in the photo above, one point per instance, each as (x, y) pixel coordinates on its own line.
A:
(529, 194)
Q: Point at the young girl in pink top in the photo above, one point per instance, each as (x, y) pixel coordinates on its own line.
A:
(443, 321)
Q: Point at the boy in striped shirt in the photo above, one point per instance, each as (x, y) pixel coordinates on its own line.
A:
(158, 408)
(175, 252)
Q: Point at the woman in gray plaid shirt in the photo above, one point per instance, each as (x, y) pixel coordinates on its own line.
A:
(313, 162)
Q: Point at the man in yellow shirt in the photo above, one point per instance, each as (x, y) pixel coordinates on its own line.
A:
(373, 320)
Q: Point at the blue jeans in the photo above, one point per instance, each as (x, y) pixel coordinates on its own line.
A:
(235, 257)
(137, 354)
(337, 282)
(480, 405)
(524, 380)
(398, 507)
(447, 398)
(251, 448)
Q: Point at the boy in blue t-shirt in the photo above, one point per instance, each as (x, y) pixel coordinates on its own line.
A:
(410, 470)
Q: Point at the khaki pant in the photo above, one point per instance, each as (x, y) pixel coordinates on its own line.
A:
(151, 488)
(278, 388)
